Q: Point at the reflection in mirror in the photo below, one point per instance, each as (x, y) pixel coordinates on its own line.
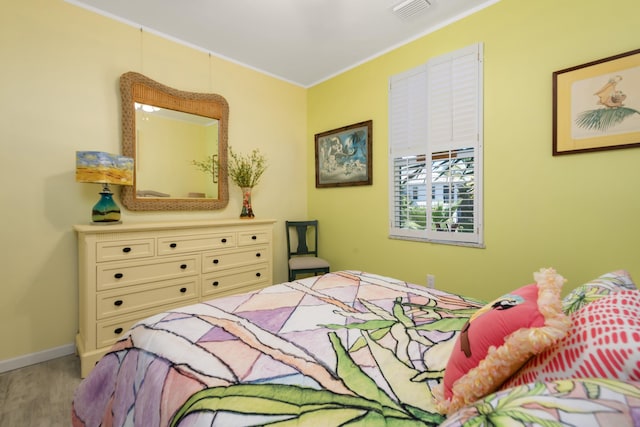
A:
(157, 130)
(165, 130)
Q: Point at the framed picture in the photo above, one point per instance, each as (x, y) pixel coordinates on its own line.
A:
(596, 106)
(343, 156)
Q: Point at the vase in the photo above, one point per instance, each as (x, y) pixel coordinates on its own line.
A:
(247, 209)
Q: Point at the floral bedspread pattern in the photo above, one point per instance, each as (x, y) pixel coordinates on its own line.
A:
(346, 348)
(581, 403)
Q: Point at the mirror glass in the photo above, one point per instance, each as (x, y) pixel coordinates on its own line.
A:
(157, 130)
(165, 130)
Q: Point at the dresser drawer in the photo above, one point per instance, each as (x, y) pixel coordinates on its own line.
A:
(256, 237)
(108, 332)
(111, 330)
(228, 282)
(220, 261)
(197, 242)
(136, 298)
(117, 275)
(124, 249)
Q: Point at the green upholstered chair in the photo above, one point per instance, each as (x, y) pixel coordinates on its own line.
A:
(302, 249)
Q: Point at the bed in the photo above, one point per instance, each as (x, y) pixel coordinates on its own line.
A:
(347, 348)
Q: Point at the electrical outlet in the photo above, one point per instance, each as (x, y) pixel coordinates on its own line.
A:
(431, 281)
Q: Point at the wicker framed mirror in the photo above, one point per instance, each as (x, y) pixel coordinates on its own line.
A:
(165, 130)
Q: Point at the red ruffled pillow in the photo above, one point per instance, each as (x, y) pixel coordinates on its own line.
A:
(500, 338)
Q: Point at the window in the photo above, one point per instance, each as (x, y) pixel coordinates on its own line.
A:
(435, 150)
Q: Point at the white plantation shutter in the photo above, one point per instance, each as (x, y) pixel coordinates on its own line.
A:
(409, 187)
(407, 145)
(453, 204)
(408, 109)
(453, 99)
(435, 149)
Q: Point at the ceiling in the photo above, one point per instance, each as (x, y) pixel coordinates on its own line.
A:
(300, 41)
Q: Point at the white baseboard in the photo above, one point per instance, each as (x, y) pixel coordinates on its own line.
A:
(33, 358)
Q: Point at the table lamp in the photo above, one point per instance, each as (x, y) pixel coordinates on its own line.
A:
(104, 168)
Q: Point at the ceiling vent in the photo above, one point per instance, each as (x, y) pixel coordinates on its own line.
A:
(409, 8)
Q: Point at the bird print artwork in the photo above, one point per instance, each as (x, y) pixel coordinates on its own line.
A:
(612, 110)
(609, 96)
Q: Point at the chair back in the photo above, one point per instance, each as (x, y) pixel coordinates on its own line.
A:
(306, 234)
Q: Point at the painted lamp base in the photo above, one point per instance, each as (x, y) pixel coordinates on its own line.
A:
(106, 211)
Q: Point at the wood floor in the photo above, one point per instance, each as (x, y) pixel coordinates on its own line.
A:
(39, 395)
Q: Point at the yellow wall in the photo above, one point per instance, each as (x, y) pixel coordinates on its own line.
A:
(577, 213)
(59, 93)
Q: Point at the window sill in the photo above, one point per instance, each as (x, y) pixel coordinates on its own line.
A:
(439, 242)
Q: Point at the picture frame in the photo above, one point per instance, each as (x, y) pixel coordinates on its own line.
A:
(344, 156)
(596, 106)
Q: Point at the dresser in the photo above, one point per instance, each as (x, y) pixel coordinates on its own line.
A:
(127, 272)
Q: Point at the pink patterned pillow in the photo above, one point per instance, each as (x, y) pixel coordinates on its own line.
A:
(604, 285)
(603, 342)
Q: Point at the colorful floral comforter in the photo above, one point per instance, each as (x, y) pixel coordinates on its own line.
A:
(346, 348)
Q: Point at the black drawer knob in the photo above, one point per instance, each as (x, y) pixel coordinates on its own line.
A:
(117, 331)
(173, 245)
(258, 274)
(118, 275)
(215, 261)
(258, 255)
(126, 250)
(183, 290)
(183, 266)
(223, 240)
(118, 302)
(216, 283)
(254, 237)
